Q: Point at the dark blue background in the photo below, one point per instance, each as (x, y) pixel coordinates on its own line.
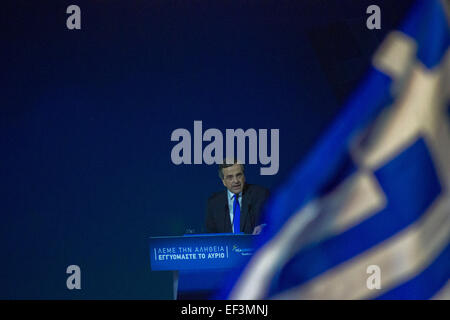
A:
(86, 118)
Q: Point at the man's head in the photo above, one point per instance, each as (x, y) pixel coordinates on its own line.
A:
(232, 176)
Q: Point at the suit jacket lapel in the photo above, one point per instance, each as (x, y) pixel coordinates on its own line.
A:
(244, 209)
(226, 212)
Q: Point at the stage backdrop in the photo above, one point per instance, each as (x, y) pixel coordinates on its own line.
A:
(86, 118)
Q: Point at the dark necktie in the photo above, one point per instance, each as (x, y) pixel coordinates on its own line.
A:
(236, 214)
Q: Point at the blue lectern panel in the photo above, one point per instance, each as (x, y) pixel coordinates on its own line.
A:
(194, 252)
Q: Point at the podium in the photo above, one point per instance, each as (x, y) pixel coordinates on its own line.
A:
(199, 262)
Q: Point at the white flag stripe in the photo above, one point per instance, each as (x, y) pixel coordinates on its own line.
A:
(399, 258)
(395, 55)
(359, 198)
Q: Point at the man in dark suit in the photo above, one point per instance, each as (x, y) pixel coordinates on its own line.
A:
(236, 209)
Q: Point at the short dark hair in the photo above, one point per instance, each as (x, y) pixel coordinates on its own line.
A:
(224, 164)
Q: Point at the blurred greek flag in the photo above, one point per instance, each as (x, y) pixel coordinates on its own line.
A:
(367, 215)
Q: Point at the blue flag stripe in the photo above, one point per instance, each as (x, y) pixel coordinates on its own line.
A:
(428, 25)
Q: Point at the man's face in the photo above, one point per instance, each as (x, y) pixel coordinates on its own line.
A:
(233, 178)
